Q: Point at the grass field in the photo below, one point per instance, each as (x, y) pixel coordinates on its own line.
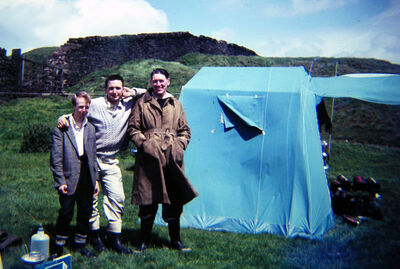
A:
(27, 200)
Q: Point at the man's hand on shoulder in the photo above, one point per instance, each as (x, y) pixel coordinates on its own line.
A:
(62, 122)
(128, 92)
(140, 91)
(131, 92)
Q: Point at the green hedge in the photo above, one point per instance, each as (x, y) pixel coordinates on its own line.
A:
(36, 138)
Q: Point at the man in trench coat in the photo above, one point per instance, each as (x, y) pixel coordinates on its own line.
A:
(159, 129)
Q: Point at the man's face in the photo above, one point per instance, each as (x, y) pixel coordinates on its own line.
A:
(159, 83)
(114, 91)
(81, 108)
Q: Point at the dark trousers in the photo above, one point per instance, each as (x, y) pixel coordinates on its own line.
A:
(83, 197)
(170, 212)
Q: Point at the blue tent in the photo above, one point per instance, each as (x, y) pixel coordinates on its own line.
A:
(255, 155)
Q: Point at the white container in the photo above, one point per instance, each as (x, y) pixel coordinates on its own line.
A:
(40, 243)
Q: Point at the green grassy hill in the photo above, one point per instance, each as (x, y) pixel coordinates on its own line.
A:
(34, 60)
(354, 120)
(367, 123)
(40, 54)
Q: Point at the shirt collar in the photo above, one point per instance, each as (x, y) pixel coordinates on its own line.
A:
(111, 106)
(73, 122)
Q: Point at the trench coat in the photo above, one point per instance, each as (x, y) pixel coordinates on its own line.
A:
(161, 135)
(64, 160)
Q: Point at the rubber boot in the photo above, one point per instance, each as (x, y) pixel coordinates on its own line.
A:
(174, 234)
(95, 240)
(58, 250)
(145, 235)
(115, 243)
(59, 244)
(81, 248)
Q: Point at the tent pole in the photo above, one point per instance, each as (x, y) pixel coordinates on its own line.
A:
(332, 109)
(311, 67)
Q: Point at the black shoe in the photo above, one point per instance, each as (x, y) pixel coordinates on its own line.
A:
(181, 247)
(140, 249)
(114, 240)
(84, 251)
(96, 242)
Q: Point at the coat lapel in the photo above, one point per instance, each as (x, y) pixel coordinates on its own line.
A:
(86, 136)
(71, 137)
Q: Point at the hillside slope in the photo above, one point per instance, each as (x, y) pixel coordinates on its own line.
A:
(354, 120)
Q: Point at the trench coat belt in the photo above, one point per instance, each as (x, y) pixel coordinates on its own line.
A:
(165, 134)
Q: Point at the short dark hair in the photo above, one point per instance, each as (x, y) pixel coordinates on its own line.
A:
(159, 71)
(113, 77)
(80, 94)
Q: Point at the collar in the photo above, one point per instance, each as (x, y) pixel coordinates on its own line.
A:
(166, 95)
(111, 106)
(73, 122)
(148, 96)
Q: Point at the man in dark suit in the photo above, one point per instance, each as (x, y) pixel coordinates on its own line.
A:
(74, 167)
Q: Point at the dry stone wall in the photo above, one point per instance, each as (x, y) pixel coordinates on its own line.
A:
(9, 70)
(81, 56)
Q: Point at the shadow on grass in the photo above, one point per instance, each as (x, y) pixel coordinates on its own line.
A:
(129, 238)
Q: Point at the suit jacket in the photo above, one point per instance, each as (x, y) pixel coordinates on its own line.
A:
(64, 159)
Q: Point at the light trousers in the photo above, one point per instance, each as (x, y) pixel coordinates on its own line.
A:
(113, 195)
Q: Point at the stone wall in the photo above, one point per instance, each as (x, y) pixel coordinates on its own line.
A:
(9, 70)
(81, 56)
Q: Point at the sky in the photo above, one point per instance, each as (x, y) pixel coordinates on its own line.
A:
(271, 28)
